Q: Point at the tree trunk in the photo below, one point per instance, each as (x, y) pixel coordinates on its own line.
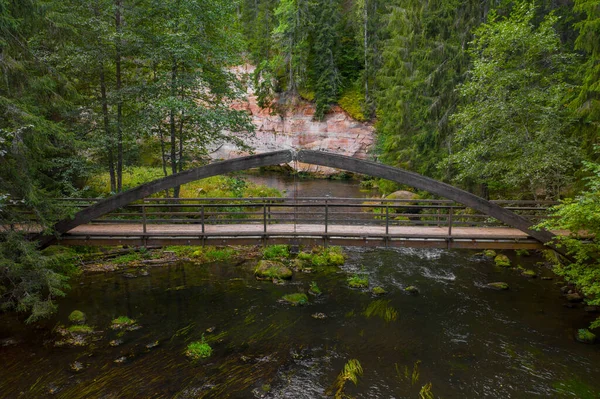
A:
(173, 130)
(119, 5)
(109, 138)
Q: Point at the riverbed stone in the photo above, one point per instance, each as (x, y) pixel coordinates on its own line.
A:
(497, 285)
(77, 317)
(574, 297)
(270, 269)
(585, 336)
(502, 260)
(76, 366)
(319, 316)
(297, 299)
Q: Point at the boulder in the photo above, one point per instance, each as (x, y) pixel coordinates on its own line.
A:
(271, 269)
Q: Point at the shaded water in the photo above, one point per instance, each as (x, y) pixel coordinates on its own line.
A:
(471, 341)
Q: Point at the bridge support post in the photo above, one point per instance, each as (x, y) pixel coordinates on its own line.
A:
(326, 216)
(144, 215)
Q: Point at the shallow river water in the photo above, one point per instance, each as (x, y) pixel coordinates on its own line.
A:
(468, 341)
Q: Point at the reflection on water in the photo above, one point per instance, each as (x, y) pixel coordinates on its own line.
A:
(468, 341)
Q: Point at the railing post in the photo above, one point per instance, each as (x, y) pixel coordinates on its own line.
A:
(387, 219)
(450, 211)
(326, 216)
(264, 216)
(202, 216)
(144, 215)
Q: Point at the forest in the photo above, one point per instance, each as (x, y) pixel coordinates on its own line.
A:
(499, 97)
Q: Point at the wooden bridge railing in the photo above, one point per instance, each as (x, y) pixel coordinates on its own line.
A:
(325, 211)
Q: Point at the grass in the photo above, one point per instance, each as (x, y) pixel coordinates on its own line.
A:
(127, 258)
(358, 281)
(81, 328)
(213, 254)
(276, 252)
(198, 350)
(321, 257)
(352, 370)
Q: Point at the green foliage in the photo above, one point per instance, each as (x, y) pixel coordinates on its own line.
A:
(29, 281)
(351, 101)
(581, 217)
(588, 99)
(276, 252)
(198, 350)
(358, 281)
(424, 59)
(296, 299)
(519, 71)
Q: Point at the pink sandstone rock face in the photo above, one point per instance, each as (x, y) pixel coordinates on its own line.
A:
(296, 129)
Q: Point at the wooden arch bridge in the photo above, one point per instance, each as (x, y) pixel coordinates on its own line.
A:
(462, 220)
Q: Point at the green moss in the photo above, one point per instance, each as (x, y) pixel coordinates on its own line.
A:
(502, 260)
(276, 252)
(270, 269)
(529, 273)
(198, 350)
(490, 253)
(81, 329)
(77, 316)
(378, 291)
(314, 288)
(121, 322)
(586, 336)
(352, 102)
(522, 252)
(357, 281)
(412, 290)
(498, 286)
(296, 299)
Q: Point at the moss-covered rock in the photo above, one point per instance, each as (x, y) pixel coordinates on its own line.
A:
(295, 299)
(497, 285)
(502, 260)
(77, 316)
(314, 289)
(574, 297)
(357, 281)
(586, 336)
(529, 273)
(270, 269)
(122, 322)
(411, 289)
(490, 253)
(522, 252)
(377, 291)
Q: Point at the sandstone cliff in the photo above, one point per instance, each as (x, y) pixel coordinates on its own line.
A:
(296, 129)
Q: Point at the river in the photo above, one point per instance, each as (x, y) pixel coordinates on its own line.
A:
(467, 340)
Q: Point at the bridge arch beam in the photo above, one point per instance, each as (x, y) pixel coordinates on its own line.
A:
(306, 156)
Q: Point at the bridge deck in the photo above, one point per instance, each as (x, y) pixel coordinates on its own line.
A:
(309, 234)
